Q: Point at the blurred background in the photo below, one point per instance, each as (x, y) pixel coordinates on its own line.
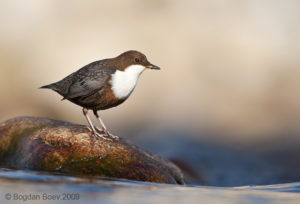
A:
(226, 104)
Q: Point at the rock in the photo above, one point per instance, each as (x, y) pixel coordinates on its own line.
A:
(50, 145)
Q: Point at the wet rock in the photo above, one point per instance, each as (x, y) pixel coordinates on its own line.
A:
(50, 145)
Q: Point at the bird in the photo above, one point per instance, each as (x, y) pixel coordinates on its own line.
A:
(103, 84)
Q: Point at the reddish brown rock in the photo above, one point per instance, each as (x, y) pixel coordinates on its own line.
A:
(50, 145)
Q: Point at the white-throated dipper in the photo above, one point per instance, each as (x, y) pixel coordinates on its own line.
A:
(103, 84)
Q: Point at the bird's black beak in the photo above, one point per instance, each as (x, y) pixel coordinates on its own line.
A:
(152, 66)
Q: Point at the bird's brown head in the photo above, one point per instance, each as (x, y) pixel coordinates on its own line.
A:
(132, 57)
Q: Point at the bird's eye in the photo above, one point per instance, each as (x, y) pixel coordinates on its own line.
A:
(137, 60)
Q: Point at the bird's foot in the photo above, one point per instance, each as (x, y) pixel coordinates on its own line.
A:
(106, 133)
(114, 137)
(99, 130)
(98, 135)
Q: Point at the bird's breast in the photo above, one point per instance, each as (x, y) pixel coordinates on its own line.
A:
(123, 82)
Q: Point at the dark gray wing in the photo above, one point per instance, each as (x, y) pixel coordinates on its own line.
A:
(89, 80)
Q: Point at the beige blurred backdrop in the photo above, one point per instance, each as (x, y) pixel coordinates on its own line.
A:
(231, 67)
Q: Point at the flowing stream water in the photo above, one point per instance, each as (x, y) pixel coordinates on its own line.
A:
(41, 187)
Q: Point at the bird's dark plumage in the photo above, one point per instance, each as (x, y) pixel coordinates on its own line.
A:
(91, 87)
(80, 86)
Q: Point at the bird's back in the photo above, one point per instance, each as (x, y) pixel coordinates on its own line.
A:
(84, 81)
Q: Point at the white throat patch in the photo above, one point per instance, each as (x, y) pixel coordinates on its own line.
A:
(123, 82)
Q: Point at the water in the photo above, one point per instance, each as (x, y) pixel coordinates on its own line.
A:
(37, 187)
(214, 163)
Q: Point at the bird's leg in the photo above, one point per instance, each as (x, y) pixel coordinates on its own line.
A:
(93, 130)
(104, 127)
(100, 130)
(85, 113)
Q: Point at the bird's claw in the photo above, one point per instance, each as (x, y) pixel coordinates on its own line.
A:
(99, 133)
(114, 137)
(102, 136)
(99, 130)
(108, 134)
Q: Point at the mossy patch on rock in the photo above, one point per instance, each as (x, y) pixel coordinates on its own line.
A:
(51, 145)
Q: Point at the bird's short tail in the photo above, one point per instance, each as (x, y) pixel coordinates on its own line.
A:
(49, 86)
(53, 87)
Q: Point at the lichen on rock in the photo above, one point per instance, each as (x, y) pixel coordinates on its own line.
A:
(50, 145)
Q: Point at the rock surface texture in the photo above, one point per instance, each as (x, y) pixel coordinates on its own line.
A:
(50, 145)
